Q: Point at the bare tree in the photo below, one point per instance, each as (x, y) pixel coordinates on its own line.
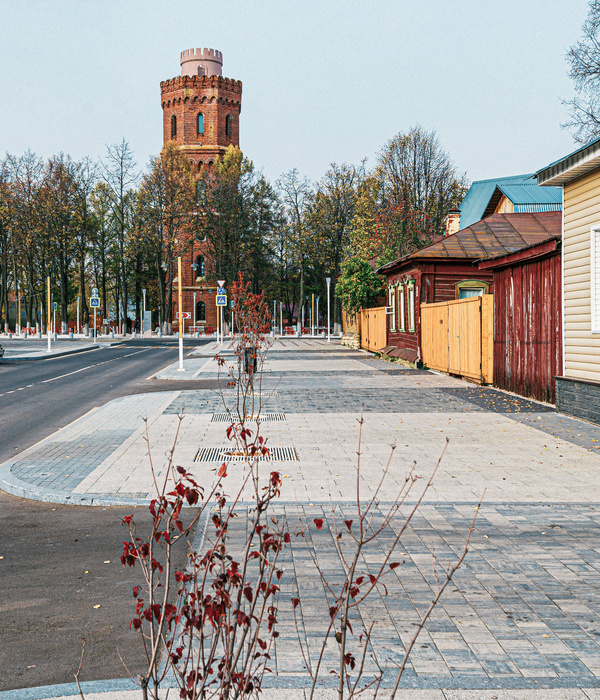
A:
(584, 69)
(418, 176)
(120, 174)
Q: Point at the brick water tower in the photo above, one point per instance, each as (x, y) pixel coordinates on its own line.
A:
(201, 114)
(201, 108)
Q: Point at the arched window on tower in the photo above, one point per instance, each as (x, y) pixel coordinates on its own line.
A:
(173, 127)
(228, 126)
(200, 311)
(201, 263)
(200, 126)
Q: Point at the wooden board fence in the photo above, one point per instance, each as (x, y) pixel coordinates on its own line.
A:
(457, 337)
(373, 329)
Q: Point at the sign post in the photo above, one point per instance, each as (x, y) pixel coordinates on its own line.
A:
(180, 324)
(221, 301)
(194, 311)
(48, 322)
(95, 304)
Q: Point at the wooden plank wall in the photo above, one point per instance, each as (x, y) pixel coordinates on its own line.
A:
(456, 337)
(373, 324)
(527, 328)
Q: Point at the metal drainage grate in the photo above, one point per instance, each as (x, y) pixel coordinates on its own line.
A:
(256, 395)
(228, 417)
(220, 454)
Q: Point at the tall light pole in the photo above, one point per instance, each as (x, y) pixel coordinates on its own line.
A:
(180, 307)
(78, 325)
(274, 316)
(48, 317)
(317, 324)
(18, 324)
(328, 280)
(281, 318)
(144, 312)
(194, 312)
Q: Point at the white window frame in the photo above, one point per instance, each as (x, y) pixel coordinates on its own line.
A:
(392, 307)
(412, 325)
(401, 308)
(594, 278)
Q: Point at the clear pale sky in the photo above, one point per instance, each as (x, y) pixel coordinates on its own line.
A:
(323, 80)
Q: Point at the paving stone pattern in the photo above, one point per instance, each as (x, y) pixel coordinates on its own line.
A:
(522, 612)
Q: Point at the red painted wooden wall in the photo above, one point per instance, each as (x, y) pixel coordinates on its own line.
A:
(528, 327)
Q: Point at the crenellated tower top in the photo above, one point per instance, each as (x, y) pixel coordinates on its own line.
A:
(201, 62)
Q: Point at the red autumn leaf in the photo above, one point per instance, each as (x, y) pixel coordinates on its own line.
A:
(319, 523)
(394, 564)
(295, 602)
(348, 524)
(223, 470)
(127, 519)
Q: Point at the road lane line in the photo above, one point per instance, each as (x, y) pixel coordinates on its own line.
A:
(68, 374)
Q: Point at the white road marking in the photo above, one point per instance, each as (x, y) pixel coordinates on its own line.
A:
(68, 374)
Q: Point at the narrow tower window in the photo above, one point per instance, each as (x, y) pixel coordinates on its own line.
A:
(200, 311)
(228, 126)
(201, 271)
(200, 124)
(173, 127)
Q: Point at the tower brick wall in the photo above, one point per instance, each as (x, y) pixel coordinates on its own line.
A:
(200, 89)
(216, 98)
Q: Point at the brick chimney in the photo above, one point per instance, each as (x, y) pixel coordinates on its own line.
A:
(452, 221)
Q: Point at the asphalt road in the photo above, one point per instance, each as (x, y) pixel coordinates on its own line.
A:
(53, 558)
(37, 398)
(57, 565)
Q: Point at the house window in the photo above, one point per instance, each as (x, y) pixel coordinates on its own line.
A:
(200, 126)
(595, 279)
(200, 311)
(228, 126)
(392, 307)
(173, 127)
(471, 288)
(401, 314)
(411, 306)
(201, 263)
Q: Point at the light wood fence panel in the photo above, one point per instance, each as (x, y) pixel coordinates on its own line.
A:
(457, 337)
(373, 328)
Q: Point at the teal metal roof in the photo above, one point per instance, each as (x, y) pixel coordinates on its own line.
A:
(521, 190)
(530, 194)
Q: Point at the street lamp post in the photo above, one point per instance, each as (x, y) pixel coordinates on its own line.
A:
(78, 324)
(328, 280)
(274, 316)
(281, 318)
(318, 315)
(48, 317)
(18, 324)
(144, 312)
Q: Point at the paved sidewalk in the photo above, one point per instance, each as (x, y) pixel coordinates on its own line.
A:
(37, 349)
(523, 618)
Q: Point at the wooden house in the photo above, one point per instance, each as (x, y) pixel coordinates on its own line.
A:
(527, 345)
(578, 381)
(448, 269)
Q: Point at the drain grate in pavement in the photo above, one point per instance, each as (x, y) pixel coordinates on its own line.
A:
(228, 417)
(256, 395)
(221, 454)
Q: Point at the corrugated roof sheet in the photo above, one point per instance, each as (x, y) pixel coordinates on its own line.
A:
(521, 190)
(530, 193)
(498, 234)
(477, 198)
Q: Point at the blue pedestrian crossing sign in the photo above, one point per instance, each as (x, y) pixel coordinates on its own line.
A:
(95, 302)
(221, 300)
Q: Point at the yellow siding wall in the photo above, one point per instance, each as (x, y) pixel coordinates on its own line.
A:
(581, 212)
